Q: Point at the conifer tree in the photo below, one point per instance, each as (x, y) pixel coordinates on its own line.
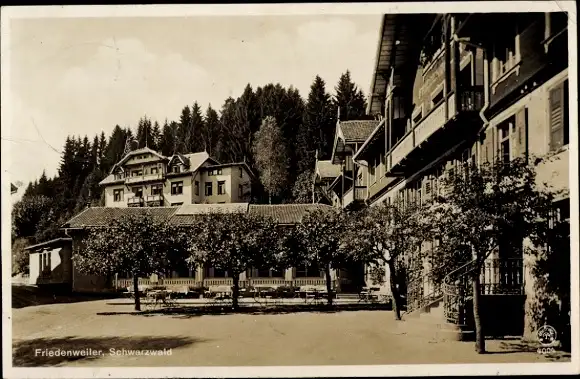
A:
(349, 98)
(317, 129)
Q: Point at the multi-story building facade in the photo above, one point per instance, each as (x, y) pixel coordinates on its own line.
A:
(451, 90)
(145, 177)
(342, 179)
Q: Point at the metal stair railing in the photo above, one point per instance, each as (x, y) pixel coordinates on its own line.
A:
(456, 292)
(421, 292)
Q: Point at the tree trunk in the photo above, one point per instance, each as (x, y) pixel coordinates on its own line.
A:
(394, 290)
(136, 290)
(479, 334)
(235, 290)
(328, 283)
(269, 198)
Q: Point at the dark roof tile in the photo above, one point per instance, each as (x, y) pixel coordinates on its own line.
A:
(358, 130)
(102, 216)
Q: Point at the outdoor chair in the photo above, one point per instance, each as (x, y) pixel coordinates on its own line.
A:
(159, 298)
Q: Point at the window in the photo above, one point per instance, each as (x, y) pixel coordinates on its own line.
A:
(138, 191)
(505, 130)
(118, 195)
(240, 190)
(156, 189)
(559, 116)
(176, 169)
(208, 189)
(154, 170)
(136, 173)
(241, 172)
(217, 171)
(417, 115)
(196, 188)
(438, 98)
(221, 187)
(176, 188)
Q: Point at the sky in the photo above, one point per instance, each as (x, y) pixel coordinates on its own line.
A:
(77, 76)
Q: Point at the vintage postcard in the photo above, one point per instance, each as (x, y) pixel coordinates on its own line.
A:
(290, 190)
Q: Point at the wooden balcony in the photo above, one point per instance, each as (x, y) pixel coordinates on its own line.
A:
(154, 200)
(445, 125)
(135, 201)
(144, 178)
(354, 194)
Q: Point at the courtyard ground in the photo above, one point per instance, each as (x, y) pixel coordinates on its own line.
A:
(305, 338)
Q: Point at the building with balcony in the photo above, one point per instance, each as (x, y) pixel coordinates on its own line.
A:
(286, 215)
(146, 178)
(342, 179)
(453, 91)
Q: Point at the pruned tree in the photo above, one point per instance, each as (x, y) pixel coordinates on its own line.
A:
(384, 235)
(318, 242)
(139, 244)
(233, 242)
(484, 210)
(270, 154)
(302, 191)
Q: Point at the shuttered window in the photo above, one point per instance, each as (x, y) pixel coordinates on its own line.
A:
(559, 116)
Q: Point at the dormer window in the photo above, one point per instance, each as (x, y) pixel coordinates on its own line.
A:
(176, 169)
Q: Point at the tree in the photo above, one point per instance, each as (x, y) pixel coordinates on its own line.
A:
(234, 242)
(20, 261)
(168, 144)
(27, 214)
(210, 131)
(144, 133)
(318, 243)
(384, 234)
(349, 99)
(303, 187)
(139, 244)
(485, 210)
(155, 141)
(317, 128)
(271, 157)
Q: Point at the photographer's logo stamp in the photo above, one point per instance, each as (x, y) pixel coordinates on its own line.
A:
(547, 337)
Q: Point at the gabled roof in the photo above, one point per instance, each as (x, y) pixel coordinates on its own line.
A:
(357, 130)
(196, 160)
(348, 133)
(103, 216)
(183, 159)
(130, 154)
(327, 170)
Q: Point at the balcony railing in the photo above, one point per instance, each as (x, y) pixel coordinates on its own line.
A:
(154, 199)
(179, 283)
(356, 193)
(142, 178)
(135, 201)
(470, 99)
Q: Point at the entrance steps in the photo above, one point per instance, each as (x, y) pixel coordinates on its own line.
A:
(429, 323)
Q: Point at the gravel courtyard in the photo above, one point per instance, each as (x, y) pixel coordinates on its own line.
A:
(341, 338)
